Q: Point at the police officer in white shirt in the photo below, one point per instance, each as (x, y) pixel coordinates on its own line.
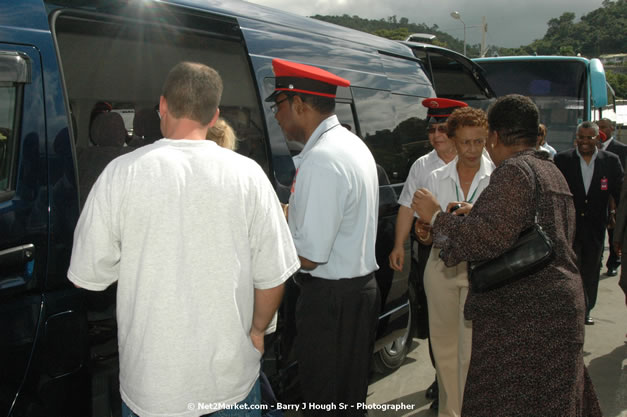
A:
(332, 215)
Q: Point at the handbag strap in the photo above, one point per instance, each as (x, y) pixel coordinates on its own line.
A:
(537, 190)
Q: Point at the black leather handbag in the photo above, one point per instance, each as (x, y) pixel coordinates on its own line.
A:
(531, 252)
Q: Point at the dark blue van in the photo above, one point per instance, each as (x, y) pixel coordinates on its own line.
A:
(63, 60)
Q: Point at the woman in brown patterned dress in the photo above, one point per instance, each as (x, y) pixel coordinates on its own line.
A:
(527, 344)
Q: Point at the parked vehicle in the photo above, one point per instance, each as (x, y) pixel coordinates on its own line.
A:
(566, 89)
(61, 60)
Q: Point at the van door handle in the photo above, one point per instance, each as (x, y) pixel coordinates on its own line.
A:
(12, 259)
(17, 255)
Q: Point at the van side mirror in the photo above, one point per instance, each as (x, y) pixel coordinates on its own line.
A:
(15, 67)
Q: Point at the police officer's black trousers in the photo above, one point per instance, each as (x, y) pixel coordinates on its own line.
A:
(336, 322)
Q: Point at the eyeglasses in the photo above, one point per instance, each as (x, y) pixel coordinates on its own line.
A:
(442, 129)
(588, 137)
(275, 106)
(476, 142)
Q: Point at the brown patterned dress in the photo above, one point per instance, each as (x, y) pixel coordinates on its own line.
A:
(527, 344)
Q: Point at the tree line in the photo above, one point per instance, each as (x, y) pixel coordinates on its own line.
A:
(602, 31)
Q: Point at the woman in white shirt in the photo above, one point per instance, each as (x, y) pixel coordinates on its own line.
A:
(456, 185)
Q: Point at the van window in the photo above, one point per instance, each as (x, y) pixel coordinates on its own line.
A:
(344, 113)
(134, 58)
(8, 94)
(394, 128)
(453, 75)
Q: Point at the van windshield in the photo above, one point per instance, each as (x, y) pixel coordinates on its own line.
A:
(557, 87)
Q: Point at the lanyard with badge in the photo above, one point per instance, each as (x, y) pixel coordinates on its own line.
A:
(472, 197)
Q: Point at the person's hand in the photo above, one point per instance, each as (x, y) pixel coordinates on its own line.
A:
(257, 339)
(397, 258)
(286, 209)
(611, 223)
(425, 204)
(462, 211)
(618, 248)
(422, 231)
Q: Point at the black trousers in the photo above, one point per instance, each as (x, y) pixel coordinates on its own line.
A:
(613, 260)
(589, 254)
(336, 324)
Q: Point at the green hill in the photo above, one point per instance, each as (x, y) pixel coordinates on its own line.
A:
(602, 31)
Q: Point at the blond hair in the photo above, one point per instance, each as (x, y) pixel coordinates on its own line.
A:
(541, 134)
(223, 134)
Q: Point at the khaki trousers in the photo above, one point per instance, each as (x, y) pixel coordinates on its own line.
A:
(450, 333)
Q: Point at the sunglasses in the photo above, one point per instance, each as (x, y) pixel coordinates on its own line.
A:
(441, 129)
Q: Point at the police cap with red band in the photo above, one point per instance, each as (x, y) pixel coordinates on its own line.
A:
(441, 108)
(305, 79)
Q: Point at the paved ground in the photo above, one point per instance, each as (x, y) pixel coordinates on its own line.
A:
(605, 355)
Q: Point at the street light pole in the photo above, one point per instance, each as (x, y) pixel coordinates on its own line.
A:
(455, 15)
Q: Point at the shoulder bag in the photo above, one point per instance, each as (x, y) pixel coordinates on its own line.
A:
(531, 252)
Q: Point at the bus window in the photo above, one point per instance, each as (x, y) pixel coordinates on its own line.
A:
(558, 85)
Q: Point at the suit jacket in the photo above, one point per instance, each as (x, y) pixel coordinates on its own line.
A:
(620, 234)
(592, 208)
(619, 149)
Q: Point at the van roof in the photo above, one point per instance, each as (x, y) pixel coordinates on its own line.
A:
(246, 10)
(531, 58)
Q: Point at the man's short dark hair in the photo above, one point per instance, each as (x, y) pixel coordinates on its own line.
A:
(324, 105)
(515, 118)
(193, 91)
(610, 121)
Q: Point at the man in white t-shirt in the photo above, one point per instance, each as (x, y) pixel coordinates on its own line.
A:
(195, 237)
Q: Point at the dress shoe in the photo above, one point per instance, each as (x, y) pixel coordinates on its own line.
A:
(611, 272)
(432, 391)
(589, 321)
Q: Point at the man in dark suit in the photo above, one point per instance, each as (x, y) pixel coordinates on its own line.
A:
(593, 175)
(620, 236)
(611, 144)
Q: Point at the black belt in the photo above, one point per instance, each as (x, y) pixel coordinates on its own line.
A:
(307, 280)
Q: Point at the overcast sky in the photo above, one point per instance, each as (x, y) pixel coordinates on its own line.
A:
(510, 23)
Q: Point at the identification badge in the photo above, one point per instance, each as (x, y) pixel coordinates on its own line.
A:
(603, 184)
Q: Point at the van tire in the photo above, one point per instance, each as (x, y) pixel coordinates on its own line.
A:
(391, 356)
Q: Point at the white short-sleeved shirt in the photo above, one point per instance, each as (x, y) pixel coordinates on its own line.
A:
(444, 183)
(188, 230)
(418, 175)
(334, 203)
